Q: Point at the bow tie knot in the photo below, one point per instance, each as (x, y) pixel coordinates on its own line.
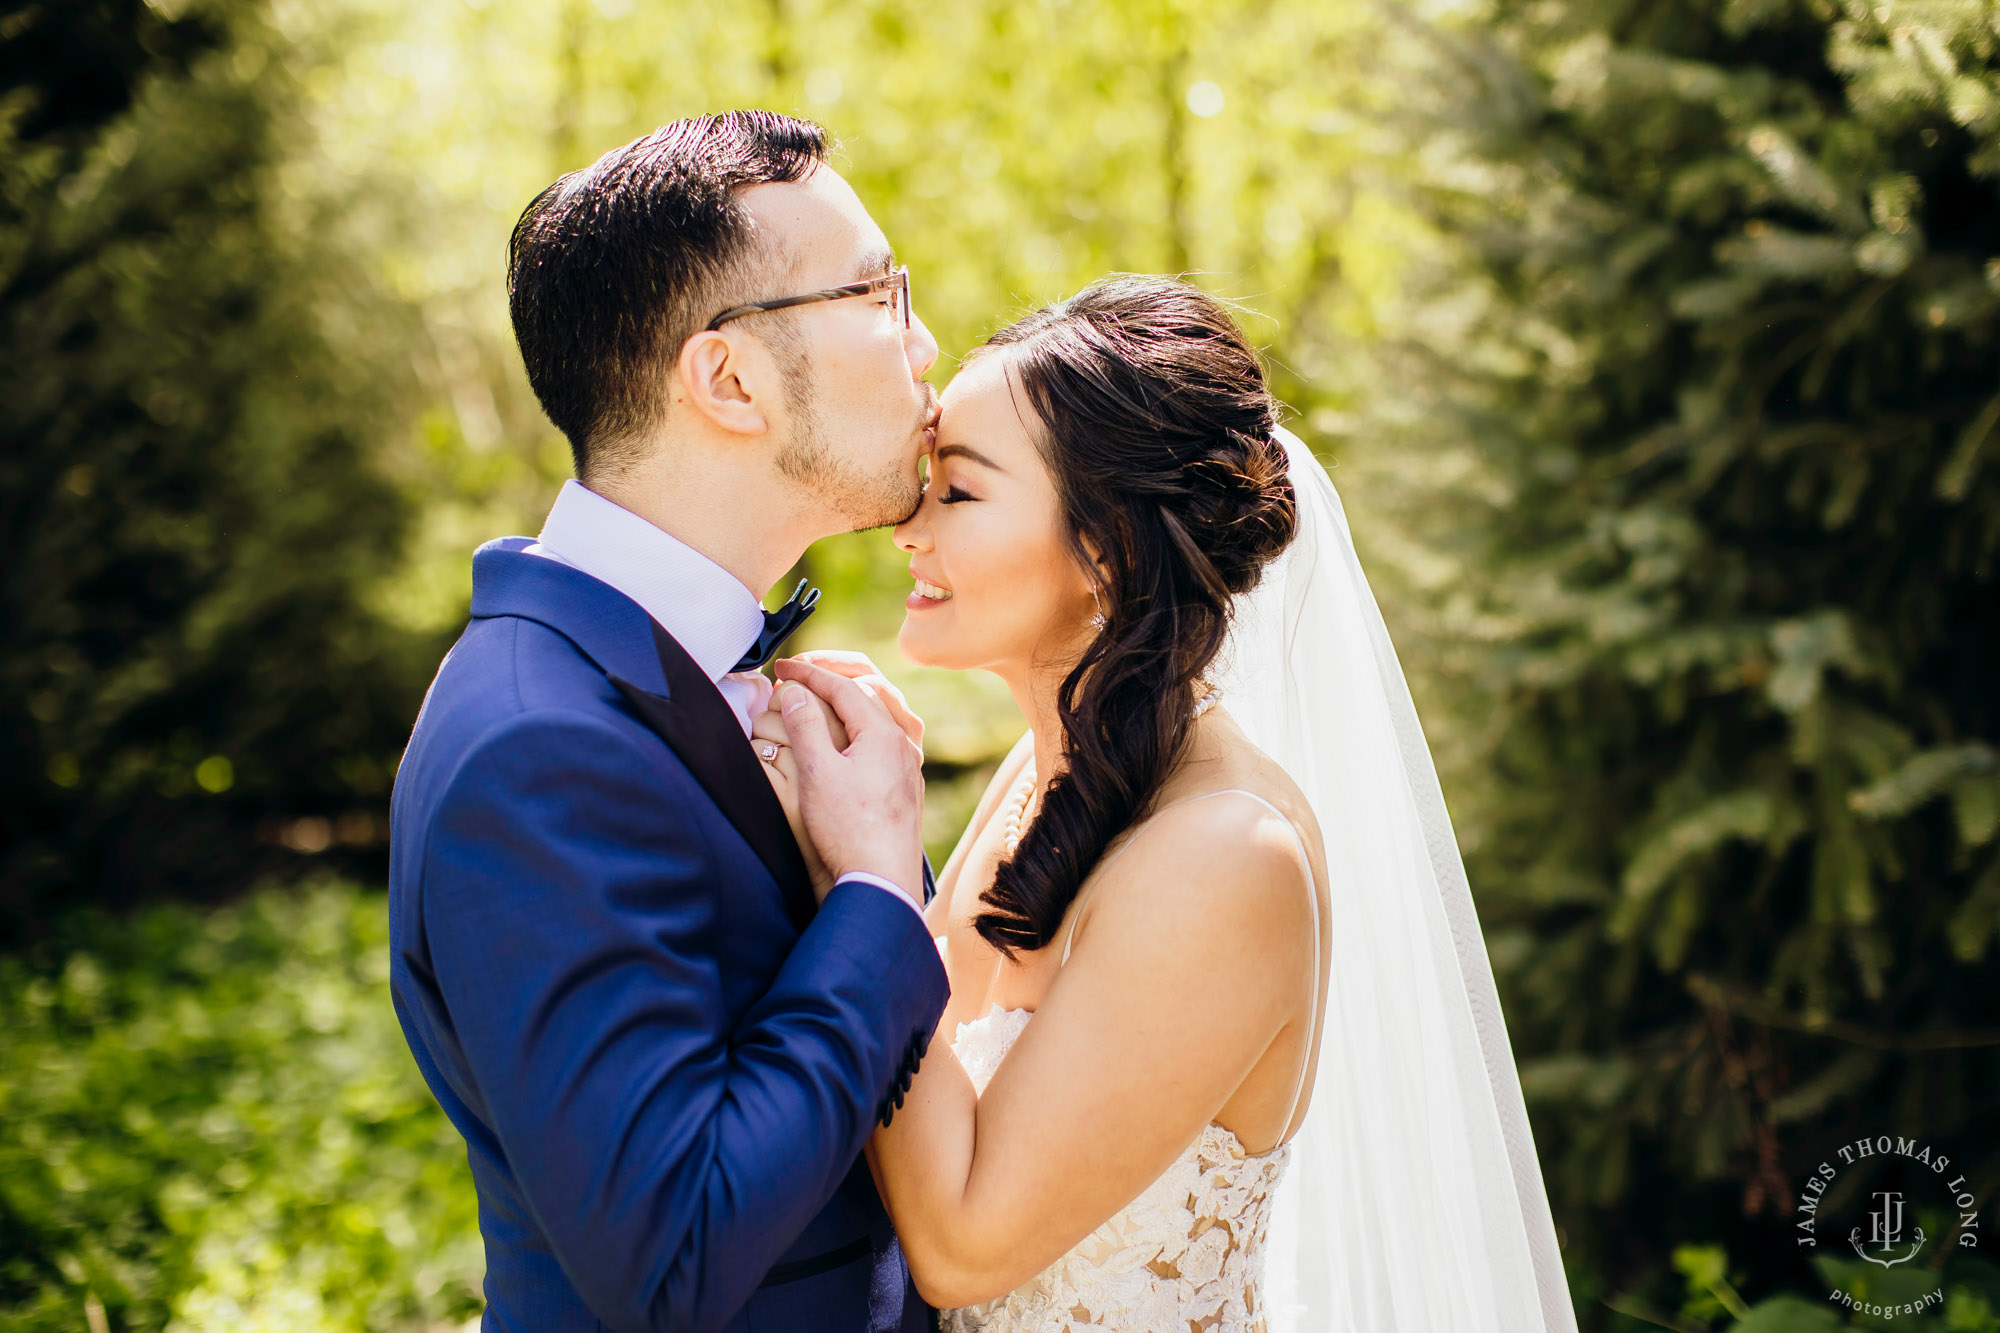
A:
(779, 625)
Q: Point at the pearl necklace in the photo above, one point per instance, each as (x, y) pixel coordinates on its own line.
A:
(1017, 808)
(1024, 788)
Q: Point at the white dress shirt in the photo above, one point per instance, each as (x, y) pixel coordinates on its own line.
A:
(706, 609)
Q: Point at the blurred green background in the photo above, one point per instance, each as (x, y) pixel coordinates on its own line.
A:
(1653, 345)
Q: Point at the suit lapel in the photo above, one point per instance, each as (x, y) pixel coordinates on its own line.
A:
(703, 730)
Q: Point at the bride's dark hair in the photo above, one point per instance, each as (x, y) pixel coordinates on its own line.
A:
(1155, 422)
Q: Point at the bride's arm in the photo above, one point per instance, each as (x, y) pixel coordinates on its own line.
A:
(1186, 968)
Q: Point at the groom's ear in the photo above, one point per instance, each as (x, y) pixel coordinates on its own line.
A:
(721, 376)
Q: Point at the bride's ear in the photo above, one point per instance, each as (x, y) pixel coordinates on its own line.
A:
(1096, 569)
(719, 376)
(1095, 577)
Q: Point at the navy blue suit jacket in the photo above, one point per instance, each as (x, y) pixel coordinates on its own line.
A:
(608, 965)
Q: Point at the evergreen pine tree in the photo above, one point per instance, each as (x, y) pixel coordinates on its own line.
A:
(188, 517)
(1715, 645)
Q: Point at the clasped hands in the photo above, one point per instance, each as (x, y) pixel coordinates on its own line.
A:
(844, 754)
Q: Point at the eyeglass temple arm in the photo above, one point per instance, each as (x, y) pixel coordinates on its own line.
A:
(863, 288)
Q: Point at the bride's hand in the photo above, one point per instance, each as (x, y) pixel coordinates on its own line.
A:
(863, 672)
(774, 753)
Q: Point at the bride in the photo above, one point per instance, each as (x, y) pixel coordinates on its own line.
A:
(1224, 1047)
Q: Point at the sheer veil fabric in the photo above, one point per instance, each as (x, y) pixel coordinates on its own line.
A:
(1414, 1202)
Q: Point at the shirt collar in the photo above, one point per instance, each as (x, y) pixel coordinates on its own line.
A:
(707, 609)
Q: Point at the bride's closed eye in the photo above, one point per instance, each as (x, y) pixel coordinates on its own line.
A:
(952, 494)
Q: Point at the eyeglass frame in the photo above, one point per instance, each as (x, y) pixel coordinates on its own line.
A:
(897, 281)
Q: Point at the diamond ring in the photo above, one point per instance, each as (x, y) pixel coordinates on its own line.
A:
(767, 751)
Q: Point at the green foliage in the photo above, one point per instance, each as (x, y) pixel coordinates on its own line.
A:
(188, 503)
(1697, 480)
(1961, 1296)
(212, 1123)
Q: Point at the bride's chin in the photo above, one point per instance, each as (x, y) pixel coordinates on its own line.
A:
(911, 643)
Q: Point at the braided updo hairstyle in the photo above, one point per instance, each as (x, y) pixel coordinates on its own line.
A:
(1155, 423)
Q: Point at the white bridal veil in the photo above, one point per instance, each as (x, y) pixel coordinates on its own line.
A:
(1414, 1202)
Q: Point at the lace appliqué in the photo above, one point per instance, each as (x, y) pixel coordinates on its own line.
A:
(1186, 1256)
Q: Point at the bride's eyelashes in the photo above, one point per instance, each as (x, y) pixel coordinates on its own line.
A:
(952, 494)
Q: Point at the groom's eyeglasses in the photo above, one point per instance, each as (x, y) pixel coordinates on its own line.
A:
(897, 284)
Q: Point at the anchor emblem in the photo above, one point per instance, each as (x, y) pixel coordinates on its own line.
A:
(1885, 1230)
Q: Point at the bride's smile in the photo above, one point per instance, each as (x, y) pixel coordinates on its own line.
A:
(926, 594)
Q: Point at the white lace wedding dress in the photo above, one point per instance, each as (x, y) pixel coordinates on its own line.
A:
(1186, 1256)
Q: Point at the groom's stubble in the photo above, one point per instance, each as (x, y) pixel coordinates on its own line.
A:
(859, 498)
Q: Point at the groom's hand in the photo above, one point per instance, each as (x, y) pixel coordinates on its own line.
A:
(859, 668)
(862, 805)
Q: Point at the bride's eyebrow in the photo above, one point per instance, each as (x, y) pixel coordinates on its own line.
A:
(967, 451)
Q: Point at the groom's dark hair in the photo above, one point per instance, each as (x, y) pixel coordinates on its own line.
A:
(612, 268)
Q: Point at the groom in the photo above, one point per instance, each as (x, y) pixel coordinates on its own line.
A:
(664, 1054)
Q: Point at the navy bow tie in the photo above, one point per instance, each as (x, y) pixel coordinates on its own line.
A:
(779, 625)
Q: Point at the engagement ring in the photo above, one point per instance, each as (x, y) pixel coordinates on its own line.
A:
(767, 751)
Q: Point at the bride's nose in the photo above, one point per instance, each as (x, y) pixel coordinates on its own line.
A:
(913, 534)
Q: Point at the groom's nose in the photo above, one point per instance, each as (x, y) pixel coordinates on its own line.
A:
(920, 346)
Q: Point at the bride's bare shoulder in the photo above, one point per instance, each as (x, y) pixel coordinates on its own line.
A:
(1209, 883)
(1227, 758)
(1210, 852)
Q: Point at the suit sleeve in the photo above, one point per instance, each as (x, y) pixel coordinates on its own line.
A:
(670, 1158)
